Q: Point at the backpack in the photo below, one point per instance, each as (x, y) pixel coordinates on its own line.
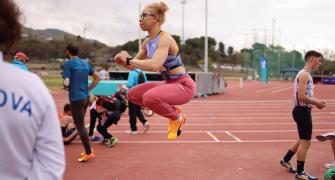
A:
(141, 78)
(123, 102)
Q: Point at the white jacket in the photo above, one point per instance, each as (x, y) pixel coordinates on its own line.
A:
(30, 138)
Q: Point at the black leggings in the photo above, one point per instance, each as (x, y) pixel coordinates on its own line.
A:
(78, 109)
(303, 117)
(134, 113)
(112, 118)
(115, 107)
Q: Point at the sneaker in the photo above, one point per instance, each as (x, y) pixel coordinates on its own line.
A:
(104, 142)
(178, 110)
(326, 136)
(131, 132)
(288, 166)
(176, 128)
(146, 126)
(81, 154)
(96, 138)
(330, 165)
(111, 142)
(85, 157)
(305, 176)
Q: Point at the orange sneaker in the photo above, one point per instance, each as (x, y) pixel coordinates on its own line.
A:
(178, 110)
(175, 128)
(85, 157)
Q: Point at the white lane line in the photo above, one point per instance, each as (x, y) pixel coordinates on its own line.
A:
(250, 101)
(269, 89)
(197, 142)
(233, 136)
(280, 90)
(197, 102)
(212, 136)
(241, 118)
(273, 141)
(244, 101)
(233, 131)
(235, 124)
(249, 113)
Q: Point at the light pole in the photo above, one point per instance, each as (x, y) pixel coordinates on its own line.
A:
(255, 35)
(183, 2)
(84, 31)
(273, 32)
(278, 64)
(293, 54)
(206, 39)
(293, 62)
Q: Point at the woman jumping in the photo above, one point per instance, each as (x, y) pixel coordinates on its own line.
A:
(160, 52)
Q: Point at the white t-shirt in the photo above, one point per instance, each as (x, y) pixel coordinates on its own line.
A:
(103, 74)
(30, 137)
(309, 89)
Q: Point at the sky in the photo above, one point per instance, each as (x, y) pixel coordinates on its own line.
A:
(294, 24)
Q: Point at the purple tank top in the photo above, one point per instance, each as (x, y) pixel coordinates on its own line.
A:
(171, 61)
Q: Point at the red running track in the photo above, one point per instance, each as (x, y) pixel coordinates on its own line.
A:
(241, 134)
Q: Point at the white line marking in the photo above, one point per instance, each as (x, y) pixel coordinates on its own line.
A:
(250, 101)
(249, 113)
(269, 89)
(235, 124)
(197, 142)
(279, 90)
(234, 131)
(195, 102)
(212, 136)
(240, 118)
(233, 136)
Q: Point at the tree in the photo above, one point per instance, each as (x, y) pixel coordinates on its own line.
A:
(230, 51)
(222, 50)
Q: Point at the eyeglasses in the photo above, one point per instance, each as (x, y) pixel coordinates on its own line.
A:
(143, 15)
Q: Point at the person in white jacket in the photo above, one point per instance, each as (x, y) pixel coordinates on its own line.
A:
(30, 137)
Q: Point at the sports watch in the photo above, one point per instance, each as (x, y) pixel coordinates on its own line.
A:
(129, 58)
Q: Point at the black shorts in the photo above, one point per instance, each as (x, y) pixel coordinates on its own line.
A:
(303, 117)
(67, 132)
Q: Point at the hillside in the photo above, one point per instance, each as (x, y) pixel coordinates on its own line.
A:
(51, 34)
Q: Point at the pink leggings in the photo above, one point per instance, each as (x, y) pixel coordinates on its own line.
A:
(161, 96)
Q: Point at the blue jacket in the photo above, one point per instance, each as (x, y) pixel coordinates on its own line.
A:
(133, 78)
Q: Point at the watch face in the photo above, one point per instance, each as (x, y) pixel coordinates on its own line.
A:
(129, 58)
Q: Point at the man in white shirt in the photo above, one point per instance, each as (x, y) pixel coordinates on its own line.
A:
(103, 74)
(30, 137)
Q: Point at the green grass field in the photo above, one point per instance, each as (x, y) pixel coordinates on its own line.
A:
(54, 83)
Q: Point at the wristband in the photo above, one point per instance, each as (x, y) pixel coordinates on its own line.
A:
(129, 58)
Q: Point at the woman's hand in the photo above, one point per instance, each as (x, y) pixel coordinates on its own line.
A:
(121, 58)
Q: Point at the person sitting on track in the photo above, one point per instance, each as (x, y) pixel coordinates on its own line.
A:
(107, 110)
(69, 130)
(328, 136)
